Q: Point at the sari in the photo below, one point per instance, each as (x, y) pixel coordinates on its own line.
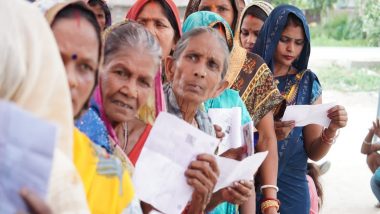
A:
(302, 88)
(157, 104)
(33, 77)
(249, 75)
(229, 97)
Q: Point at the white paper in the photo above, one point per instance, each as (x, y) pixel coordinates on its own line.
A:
(233, 170)
(26, 148)
(308, 114)
(248, 139)
(230, 121)
(159, 177)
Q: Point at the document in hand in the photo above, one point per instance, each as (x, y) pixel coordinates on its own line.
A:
(159, 177)
(308, 114)
(233, 170)
(229, 119)
(26, 148)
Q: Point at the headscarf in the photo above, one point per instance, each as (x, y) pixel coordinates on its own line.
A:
(208, 19)
(263, 5)
(32, 76)
(270, 35)
(158, 90)
(193, 6)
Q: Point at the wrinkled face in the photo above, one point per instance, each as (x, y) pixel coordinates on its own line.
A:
(79, 46)
(100, 15)
(127, 82)
(290, 45)
(221, 7)
(249, 31)
(196, 75)
(153, 17)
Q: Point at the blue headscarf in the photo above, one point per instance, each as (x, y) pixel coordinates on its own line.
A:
(207, 19)
(270, 35)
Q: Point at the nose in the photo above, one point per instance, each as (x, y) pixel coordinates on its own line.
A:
(251, 39)
(290, 47)
(129, 89)
(214, 9)
(71, 75)
(200, 71)
(150, 27)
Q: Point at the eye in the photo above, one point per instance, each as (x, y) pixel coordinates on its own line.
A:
(284, 39)
(244, 32)
(205, 8)
(213, 65)
(141, 22)
(145, 83)
(222, 9)
(300, 42)
(192, 57)
(84, 67)
(121, 73)
(256, 33)
(160, 24)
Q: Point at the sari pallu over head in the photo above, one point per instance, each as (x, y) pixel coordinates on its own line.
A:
(157, 104)
(33, 77)
(302, 88)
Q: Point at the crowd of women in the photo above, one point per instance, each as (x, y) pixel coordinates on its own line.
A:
(120, 76)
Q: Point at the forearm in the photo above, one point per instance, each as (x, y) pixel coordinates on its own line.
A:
(319, 148)
(249, 206)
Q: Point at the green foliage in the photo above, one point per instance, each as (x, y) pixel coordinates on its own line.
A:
(371, 21)
(320, 6)
(342, 27)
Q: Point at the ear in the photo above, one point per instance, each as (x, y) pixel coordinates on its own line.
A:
(222, 85)
(169, 68)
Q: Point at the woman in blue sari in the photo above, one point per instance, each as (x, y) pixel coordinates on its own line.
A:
(284, 44)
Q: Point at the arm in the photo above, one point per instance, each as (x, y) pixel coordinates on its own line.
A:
(316, 148)
(367, 146)
(269, 168)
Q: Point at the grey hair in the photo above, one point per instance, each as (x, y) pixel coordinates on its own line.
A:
(127, 36)
(184, 41)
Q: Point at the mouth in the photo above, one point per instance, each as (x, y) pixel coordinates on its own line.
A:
(249, 47)
(287, 57)
(123, 105)
(193, 87)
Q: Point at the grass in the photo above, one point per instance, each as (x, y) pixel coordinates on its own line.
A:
(350, 80)
(329, 42)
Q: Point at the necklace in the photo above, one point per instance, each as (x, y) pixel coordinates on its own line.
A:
(125, 126)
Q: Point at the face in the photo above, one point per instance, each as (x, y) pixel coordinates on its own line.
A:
(196, 75)
(221, 7)
(79, 46)
(152, 16)
(241, 5)
(290, 45)
(100, 15)
(127, 82)
(250, 28)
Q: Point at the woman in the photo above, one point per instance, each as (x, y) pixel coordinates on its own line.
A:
(253, 18)
(108, 187)
(249, 75)
(284, 44)
(161, 18)
(102, 13)
(373, 158)
(33, 77)
(195, 74)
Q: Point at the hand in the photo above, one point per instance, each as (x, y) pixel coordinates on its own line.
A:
(35, 204)
(219, 132)
(238, 193)
(236, 154)
(202, 174)
(283, 128)
(338, 116)
(375, 129)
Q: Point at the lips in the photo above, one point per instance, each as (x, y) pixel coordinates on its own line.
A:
(287, 57)
(194, 87)
(123, 104)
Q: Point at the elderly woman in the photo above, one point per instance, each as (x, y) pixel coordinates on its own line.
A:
(195, 74)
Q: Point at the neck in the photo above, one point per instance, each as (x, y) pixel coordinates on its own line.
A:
(188, 109)
(281, 70)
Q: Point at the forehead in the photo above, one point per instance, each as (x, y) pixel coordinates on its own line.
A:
(207, 45)
(97, 8)
(251, 21)
(152, 10)
(76, 36)
(295, 32)
(215, 2)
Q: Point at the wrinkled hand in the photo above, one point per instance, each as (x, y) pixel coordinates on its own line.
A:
(202, 174)
(338, 116)
(219, 132)
(238, 193)
(35, 204)
(375, 129)
(283, 128)
(237, 154)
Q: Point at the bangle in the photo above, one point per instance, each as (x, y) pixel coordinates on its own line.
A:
(270, 203)
(326, 140)
(269, 186)
(366, 142)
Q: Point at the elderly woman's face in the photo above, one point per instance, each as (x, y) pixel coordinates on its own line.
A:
(79, 45)
(127, 82)
(196, 75)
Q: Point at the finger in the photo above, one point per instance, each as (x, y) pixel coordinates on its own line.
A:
(34, 203)
(204, 168)
(335, 108)
(211, 160)
(337, 112)
(217, 128)
(377, 123)
(242, 189)
(237, 198)
(200, 176)
(198, 186)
